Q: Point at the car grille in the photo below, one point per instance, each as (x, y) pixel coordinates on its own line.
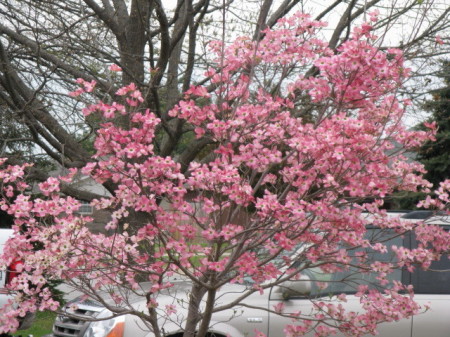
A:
(66, 326)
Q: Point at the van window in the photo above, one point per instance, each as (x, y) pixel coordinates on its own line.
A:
(434, 280)
(349, 280)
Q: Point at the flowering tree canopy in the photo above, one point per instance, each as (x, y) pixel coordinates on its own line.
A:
(275, 179)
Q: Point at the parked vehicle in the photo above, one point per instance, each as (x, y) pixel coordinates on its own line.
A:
(431, 287)
(6, 276)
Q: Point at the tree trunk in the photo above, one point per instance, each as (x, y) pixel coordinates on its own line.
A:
(193, 316)
(132, 48)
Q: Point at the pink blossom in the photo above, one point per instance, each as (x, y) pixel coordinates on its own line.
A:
(279, 307)
(114, 67)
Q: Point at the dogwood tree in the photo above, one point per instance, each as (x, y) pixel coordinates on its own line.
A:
(293, 164)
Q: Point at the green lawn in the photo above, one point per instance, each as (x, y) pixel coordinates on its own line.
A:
(42, 325)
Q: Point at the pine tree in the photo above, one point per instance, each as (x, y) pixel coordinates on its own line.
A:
(436, 155)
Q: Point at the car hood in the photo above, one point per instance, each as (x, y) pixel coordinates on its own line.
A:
(178, 292)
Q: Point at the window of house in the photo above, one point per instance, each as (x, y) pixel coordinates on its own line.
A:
(85, 208)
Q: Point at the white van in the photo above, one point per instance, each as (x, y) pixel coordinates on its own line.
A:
(431, 287)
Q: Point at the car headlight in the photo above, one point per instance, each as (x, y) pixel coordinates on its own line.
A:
(113, 327)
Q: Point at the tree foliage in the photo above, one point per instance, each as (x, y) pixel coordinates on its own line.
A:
(279, 193)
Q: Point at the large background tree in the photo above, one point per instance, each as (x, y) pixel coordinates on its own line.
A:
(435, 155)
(161, 46)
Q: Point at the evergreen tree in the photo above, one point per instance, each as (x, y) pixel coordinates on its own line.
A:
(436, 155)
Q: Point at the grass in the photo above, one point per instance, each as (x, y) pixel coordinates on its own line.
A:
(42, 325)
